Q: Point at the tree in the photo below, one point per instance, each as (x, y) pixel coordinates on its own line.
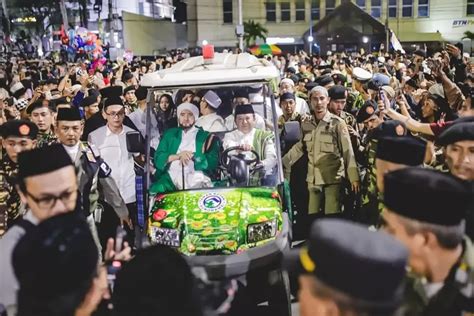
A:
(252, 31)
(468, 35)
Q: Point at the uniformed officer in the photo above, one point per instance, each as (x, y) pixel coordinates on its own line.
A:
(345, 269)
(288, 106)
(47, 184)
(42, 115)
(458, 144)
(458, 150)
(17, 136)
(92, 172)
(327, 142)
(425, 209)
(360, 78)
(369, 211)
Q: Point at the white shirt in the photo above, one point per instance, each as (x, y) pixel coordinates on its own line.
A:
(72, 151)
(237, 138)
(138, 117)
(113, 149)
(211, 123)
(192, 178)
(8, 282)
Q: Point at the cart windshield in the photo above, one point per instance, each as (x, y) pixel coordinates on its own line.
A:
(222, 136)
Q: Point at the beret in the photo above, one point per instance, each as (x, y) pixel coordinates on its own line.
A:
(391, 128)
(337, 92)
(291, 70)
(456, 133)
(366, 111)
(427, 195)
(332, 256)
(19, 128)
(404, 150)
(339, 78)
(56, 257)
(38, 161)
(128, 89)
(88, 101)
(324, 80)
(244, 109)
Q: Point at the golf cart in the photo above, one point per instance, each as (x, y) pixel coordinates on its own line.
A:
(239, 227)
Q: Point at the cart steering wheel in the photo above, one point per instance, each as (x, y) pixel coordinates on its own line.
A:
(225, 156)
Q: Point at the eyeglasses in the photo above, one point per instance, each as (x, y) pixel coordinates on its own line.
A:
(120, 113)
(48, 202)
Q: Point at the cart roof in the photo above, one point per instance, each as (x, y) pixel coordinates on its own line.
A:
(224, 68)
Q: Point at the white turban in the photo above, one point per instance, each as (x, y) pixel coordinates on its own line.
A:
(287, 80)
(190, 107)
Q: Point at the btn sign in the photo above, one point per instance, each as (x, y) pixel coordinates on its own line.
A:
(212, 202)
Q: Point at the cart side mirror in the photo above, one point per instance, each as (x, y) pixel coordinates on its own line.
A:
(291, 132)
(135, 142)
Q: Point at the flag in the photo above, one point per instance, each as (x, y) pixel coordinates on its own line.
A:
(396, 43)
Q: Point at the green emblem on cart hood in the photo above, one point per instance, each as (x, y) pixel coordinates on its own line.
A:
(212, 202)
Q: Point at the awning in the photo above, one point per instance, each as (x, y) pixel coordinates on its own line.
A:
(421, 37)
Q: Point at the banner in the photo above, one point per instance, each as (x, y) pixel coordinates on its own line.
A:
(395, 42)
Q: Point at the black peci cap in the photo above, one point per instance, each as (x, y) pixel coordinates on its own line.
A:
(287, 96)
(114, 100)
(141, 93)
(69, 114)
(244, 109)
(39, 160)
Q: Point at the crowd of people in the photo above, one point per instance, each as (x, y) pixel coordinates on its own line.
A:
(386, 143)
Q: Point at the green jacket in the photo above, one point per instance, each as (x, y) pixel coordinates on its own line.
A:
(205, 160)
(456, 297)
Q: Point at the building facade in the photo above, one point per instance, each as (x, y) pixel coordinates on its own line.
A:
(287, 20)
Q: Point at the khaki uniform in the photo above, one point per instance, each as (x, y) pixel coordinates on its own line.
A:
(10, 203)
(455, 298)
(46, 139)
(330, 158)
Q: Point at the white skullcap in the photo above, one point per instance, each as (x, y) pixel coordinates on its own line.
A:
(287, 80)
(212, 99)
(320, 89)
(190, 107)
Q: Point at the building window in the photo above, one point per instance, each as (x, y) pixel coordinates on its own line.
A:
(423, 8)
(300, 10)
(285, 11)
(407, 8)
(361, 4)
(330, 6)
(227, 8)
(315, 13)
(270, 8)
(470, 7)
(392, 8)
(376, 8)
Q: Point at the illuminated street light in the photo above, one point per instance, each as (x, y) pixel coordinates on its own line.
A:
(204, 43)
(310, 39)
(365, 39)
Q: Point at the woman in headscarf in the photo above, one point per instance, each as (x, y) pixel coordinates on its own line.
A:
(166, 113)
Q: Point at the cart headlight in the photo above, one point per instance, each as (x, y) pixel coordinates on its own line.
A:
(165, 236)
(261, 231)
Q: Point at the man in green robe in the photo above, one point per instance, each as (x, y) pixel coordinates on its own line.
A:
(185, 155)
